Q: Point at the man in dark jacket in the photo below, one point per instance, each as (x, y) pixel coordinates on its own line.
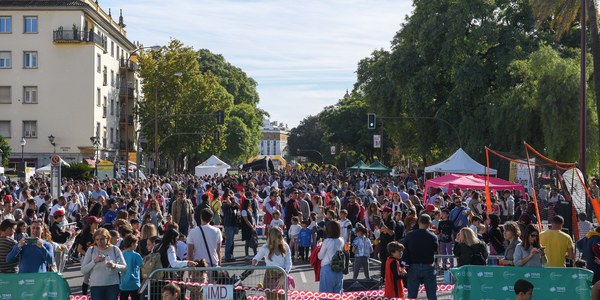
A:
(230, 210)
(421, 247)
(292, 208)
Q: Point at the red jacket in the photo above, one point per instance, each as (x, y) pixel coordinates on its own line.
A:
(316, 262)
(393, 287)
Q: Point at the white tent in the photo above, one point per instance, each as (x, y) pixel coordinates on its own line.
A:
(46, 169)
(459, 163)
(211, 166)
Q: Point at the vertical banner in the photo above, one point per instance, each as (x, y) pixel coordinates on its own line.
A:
(332, 150)
(376, 141)
(55, 170)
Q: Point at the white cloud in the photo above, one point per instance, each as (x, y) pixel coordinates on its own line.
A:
(303, 54)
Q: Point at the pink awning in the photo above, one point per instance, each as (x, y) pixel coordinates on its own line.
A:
(477, 182)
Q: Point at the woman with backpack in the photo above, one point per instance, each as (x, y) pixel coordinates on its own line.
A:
(332, 263)
(469, 249)
(276, 252)
(103, 262)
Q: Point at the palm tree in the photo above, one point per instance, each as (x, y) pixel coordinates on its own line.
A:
(562, 14)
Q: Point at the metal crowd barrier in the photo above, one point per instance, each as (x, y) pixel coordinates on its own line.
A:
(231, 282)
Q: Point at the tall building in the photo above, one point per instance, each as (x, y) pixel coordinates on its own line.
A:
(62, 74)
(273, 142)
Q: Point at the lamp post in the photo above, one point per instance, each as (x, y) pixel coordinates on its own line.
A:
(51, 140)
(96, 142)
(23, 143)
(127, 106)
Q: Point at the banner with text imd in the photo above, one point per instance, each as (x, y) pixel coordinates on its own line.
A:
(33, 286)
(497, 283)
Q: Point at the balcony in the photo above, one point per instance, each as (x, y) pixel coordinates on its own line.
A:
(123, 91)
(122, 145)
(129, 119)
(74, 36)
(131, 66)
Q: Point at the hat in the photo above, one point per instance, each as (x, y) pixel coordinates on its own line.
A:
(93, 220)
(8, 198)
(430, 207)
(59, 213)
(387, 209)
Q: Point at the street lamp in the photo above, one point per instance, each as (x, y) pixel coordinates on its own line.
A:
(177, 74)
(23, 143)
(51, 140)
(127, 106)
(96, 142)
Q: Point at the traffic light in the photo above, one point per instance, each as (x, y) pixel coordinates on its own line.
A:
(371, 123)
(220, 117)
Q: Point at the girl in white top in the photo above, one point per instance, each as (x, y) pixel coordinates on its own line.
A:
(331, 282)
(276, 252)
(168, 253)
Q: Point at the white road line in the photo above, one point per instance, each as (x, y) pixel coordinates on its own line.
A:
(302, 277)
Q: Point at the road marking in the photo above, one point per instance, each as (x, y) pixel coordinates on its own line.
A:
(302, 277)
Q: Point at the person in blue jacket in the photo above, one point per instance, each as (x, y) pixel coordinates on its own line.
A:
(585, 245)
(34, 254)
(130, 280)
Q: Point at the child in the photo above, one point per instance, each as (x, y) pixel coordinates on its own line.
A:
(115, 239)
(346, 226)
(293, 234)
(313, 228)
(135, 226)
(362, 249)
(394, 273)
(475, 222)
(444, 231)
(305, 241)
(277, 221)
(182, 247)
(171, 292)
(130, 280)
(584, 225)
(523, 289)
(436, 218)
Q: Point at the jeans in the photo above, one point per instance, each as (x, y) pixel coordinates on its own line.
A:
(126, 294)
(446, 248)
(421, 273)
(331, 282)
(229, 235)
(108, 292)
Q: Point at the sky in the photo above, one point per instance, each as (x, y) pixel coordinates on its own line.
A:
(303, 53)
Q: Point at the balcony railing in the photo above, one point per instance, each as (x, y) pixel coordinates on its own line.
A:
(122, 145)
(129, 119)
(74, 36)
(131, 66)
(123, 91)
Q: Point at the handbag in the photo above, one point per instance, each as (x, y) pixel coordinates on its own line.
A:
(218, 276)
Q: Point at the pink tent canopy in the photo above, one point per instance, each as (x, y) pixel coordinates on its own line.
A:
(463, 181)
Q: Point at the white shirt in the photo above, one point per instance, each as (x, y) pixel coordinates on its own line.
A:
(181, 250)
(344, 224)
(284, 262)
(277, 223)
(213, 238)
(173, 261)
(329, 248)
(38, 201)
(294, 230)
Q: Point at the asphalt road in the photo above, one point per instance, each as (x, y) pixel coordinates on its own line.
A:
(303, 273)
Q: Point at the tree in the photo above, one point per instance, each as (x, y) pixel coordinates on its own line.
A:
(5, 151)
(186, 104)
(242, 133)
(307, 135)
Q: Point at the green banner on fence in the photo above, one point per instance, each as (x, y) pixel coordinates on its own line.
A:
(496, 283)
(33, 286)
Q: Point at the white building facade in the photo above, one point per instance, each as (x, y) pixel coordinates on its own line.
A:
(62, 66)
(273, 142)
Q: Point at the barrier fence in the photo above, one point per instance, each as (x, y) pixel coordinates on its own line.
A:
(495, 282)
(235, 282)
(31, 286)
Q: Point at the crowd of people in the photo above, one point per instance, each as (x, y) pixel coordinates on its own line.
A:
(120, 229)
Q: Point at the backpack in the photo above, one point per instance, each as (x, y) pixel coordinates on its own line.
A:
(338, 261)
(150, 263)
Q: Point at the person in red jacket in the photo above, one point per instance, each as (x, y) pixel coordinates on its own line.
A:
(394, 272)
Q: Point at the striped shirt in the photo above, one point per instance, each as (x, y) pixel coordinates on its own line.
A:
(6, 244)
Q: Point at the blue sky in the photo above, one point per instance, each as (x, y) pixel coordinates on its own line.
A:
(302, 53)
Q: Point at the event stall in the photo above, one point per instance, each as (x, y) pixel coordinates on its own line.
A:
(213, 165)
(476, 182)
(459, 163)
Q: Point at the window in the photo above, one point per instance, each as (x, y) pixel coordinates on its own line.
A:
(105, 76)
(112, 136)
(112, 107)
(30, 59)
(98, 129)
(104, 108)
(112, 78)
(31, 24)
(5, 129)
(112, 48)
(98, 96)
(104, 138)
(99, 66)
(5, 60)
(30, 129)
(5, 25)
(5, 95)
(118, 52)
(30, 94)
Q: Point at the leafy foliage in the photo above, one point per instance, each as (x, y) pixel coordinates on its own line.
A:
(77, 171)
(5, 151)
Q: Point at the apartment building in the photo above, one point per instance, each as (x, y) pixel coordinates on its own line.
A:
(62, 75)
(273, 142)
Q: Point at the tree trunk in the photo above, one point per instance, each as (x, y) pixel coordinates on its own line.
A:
(595, 48)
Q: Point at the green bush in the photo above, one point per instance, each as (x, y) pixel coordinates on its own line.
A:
(77, 171)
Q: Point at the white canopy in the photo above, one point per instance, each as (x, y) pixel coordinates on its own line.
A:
(211, 166)
(459, 163)
(46, 168)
